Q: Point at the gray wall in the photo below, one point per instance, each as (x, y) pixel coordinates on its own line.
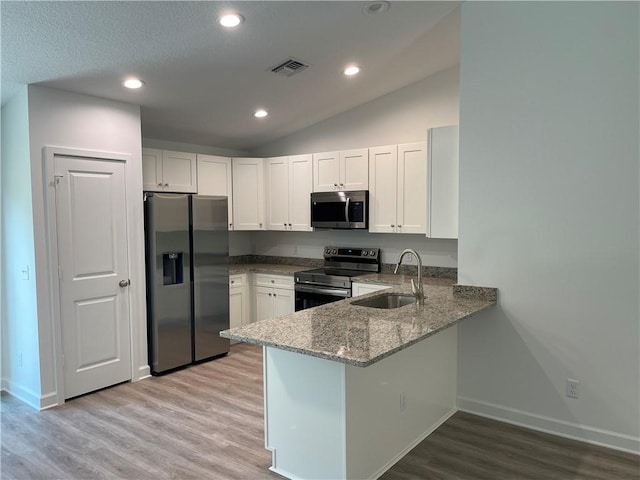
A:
(549, 214)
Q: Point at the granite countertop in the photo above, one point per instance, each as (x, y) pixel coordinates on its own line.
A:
(362, 336)
(270, 268)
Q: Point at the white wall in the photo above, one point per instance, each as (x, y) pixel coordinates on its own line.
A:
(191, 148)
(434, 252)
(20, 357)
(77, 121)
(403, 116)
(549, 214)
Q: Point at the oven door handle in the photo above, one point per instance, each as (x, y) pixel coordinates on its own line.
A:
(336, 292)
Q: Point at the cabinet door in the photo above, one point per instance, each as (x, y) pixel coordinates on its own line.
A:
(264, 303)
(277, 193)
(412, 188)
(443, 182)
(300, 186)
(236, 307)
(326, 171)
(152, 170)
(364, 288)
(214, 178)
(383, 189)
(354, 169)
(283, 302)
(179, 172)
(248, 193)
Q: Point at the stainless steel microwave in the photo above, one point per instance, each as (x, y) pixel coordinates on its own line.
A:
(344, 210)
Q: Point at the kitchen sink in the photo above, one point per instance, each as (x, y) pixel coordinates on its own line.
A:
(386, 301)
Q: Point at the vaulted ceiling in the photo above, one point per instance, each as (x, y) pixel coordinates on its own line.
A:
(203, 82)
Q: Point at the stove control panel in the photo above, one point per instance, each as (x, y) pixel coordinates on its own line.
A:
(353, 254)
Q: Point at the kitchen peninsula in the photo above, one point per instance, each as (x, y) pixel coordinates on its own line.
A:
(328, 417)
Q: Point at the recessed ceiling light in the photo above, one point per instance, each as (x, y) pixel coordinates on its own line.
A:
(260, 114)
(373, 8)
(352, 70)
(133, 83)
(231, 20)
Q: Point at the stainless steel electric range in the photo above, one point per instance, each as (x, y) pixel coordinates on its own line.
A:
(332, 282)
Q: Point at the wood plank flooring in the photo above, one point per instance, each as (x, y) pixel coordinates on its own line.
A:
(206, 422)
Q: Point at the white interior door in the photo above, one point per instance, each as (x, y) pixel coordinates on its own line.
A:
(93, 273)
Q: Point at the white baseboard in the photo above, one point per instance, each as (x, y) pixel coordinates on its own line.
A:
(143, 372)
(49, 400)
(574, 431)
(410, 447)
(23, 394)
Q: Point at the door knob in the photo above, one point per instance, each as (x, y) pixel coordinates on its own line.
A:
(124, 283)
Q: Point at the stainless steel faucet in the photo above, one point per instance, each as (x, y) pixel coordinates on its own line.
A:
(416, 286)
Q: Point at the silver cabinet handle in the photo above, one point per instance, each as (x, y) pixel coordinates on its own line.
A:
(269, 294)
(159, 184)
(392, 226)
(399, 226)
(273, 281)
(124, 283)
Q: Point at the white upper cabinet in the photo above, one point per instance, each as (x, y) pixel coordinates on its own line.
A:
(167, 171)
(248, 193)
(346, 170)
(354, 169)
(215, 178)
(443, 182)
(398, 188)
(383, 189)
(277, 192)
(288, 192)
(412, 188)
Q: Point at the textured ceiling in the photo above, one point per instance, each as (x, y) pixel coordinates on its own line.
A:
(203, 82)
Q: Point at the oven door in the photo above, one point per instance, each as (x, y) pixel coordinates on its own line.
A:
(308, 296)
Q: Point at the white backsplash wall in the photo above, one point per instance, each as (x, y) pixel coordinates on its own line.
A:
(434, 252)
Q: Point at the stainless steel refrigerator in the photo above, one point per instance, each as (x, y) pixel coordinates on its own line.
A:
(187, 261)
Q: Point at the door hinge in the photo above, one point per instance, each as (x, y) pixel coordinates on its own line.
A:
(59, 272)
(63, 360)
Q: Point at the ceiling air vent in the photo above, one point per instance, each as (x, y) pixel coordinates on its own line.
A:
(289, 67)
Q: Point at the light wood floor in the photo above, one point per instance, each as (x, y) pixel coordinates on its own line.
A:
(206, 422)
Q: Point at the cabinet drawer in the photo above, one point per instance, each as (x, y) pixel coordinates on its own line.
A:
(239, 280)
(279, 281)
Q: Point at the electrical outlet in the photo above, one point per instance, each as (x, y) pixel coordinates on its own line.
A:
(573, 390)
(403, 402)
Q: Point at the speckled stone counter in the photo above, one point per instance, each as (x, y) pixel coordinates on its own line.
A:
(362, 336)
(270, 268)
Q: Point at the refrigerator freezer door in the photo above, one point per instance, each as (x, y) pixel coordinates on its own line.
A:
(210, 275)
(168, 281)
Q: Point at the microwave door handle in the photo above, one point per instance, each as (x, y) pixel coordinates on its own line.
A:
(346, 210)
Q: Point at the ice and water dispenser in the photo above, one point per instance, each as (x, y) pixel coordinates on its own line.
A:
(172, 268)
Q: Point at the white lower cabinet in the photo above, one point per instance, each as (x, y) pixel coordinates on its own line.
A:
(358, 289)
(239, 304)
(274, 296)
